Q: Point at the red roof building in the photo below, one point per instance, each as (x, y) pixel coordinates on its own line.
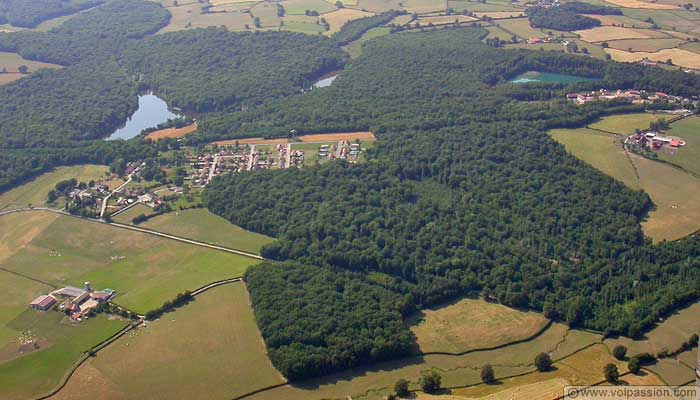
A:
(42, 303)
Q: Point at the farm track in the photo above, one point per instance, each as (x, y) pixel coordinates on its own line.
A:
(138, 229)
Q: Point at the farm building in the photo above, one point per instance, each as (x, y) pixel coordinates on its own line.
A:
(43, 303)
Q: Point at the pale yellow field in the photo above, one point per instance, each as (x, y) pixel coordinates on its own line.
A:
(11, 63)
(646, 45)
(642, 4)
(619, 20)
(500, 14)
(189, 16)
(336, 19)
(545, 390)
(604, 33)
(424, 6)
(472, 324)
(680, 57)
(444, 19)
(221, 2)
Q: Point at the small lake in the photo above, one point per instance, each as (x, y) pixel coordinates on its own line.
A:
(152, 112)
(548, 77)
(325, 81)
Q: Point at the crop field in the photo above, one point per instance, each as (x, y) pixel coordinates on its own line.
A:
(500, 14)
(299, 7)
(200, 224)
(444, 19)
(336, 19)
(472, 324)
(642, 4)
(520, 27)
(374, 382)
(267, 12)
(671, 190)
(172, 132)
(625, 124)
(189, 16)
(355, 48)
(34, 192)
(682, 58)
(687, 157)
(62, 345)
(620, 20)
(692, 46)
(378, 6)
(608, 33)
(674, 22)
(645, 45)
(11, 62)
(145, 270)
(424, 6)
(160, 358)
(314, 138)
(474, 6)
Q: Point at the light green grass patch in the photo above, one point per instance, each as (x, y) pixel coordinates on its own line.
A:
(355, 48)
(687, 157)
(299, 7)
(34, 192)
(200, 224)
(144, 269)
(207, 349)
(303, 27)
(127, 216)
(39, 372)
(625, 124)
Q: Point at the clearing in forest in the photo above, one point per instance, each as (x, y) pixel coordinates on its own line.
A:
(172, 132)
(144, 269)
(444, 19)
(208, 349)
(625, 124)
(682, 58)
(11, 62)
(336, 19)
(472, 324)
(672, 190)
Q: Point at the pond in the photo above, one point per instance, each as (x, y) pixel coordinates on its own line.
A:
(549, 77)
(325, 81)
(152, 112)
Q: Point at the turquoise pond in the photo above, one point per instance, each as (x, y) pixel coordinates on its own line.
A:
(548, 77)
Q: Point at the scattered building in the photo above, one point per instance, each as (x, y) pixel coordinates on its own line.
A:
(75, 302)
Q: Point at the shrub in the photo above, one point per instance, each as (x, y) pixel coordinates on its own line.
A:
(543, 362)
(611, 373)
(633, 365)
(620, 352)
(401, 388)
(487, 374)
(430, 382)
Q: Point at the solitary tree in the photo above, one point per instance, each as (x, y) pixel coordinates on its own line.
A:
(612, 374)
(430, 382)
(23, 69)
(633, 365)
(487, 374)
(620, 352)
(401, 388)
(543, 362)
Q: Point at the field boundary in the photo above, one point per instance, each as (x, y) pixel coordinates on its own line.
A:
(29, 277)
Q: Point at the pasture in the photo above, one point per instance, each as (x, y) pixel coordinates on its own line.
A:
(309, 28)
(676, 214)
(378, 6)
(145, 270)
(424, 6)
(355, 48)
(625, 124)
(608, 33)
(475, 6)
(687, 157)
(190, 16)
(299, 7)
(336, 19)
(34, 192)
(520, 27)
(207, 349)
(642, 4)
(444, 19)
(674, 22)
(127, 216)
(267, 12)
(645, 45)
(472, 324)
(620, 20)
(172, 132)
(679, 57)
(500, 14)
(62, 345)
(200, 224)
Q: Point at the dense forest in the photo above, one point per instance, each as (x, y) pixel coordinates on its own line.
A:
(211, 69)
(464, 194)
(28, 14)
(567, 17)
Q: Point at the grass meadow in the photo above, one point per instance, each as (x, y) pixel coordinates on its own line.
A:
(145, 270)
(472, 324)
(687, 157)
(625, 124)
(208, 349)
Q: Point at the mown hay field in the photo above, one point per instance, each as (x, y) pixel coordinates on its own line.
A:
(378, 6)
(676, 214)
(520, 27)
(625, 124)
(144, 269)
(34, 192)
(645, 45)
(172, 132)
(682, 58)
(620, 20)
(500, 14)
(336, 19)
(475, 6)
(424, 6)
(642, 4)
(608, 33)
(444, 19)
(472, 324)
(10, 63)
(208, 349)
(299, 7)
(200, 224)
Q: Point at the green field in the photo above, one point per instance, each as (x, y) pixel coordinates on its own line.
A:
(34, 192)
(472, 324)
(377, 381)
(63, 345)
(687, 157)
(303, 27)
(299, 7)
(200, 224)
(672, 191)
(208, 349)
(625, 124)
(145, 270)
(520, 27)
(463, 5)
(355, 48)
(127, 216)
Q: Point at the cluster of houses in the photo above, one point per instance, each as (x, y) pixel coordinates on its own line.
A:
(652, 140)
(77, 303)
(129, 196)
(633, 96)
(344, 150)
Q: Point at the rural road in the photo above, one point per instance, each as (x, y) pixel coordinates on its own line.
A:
(106, 199)
(137, 229)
